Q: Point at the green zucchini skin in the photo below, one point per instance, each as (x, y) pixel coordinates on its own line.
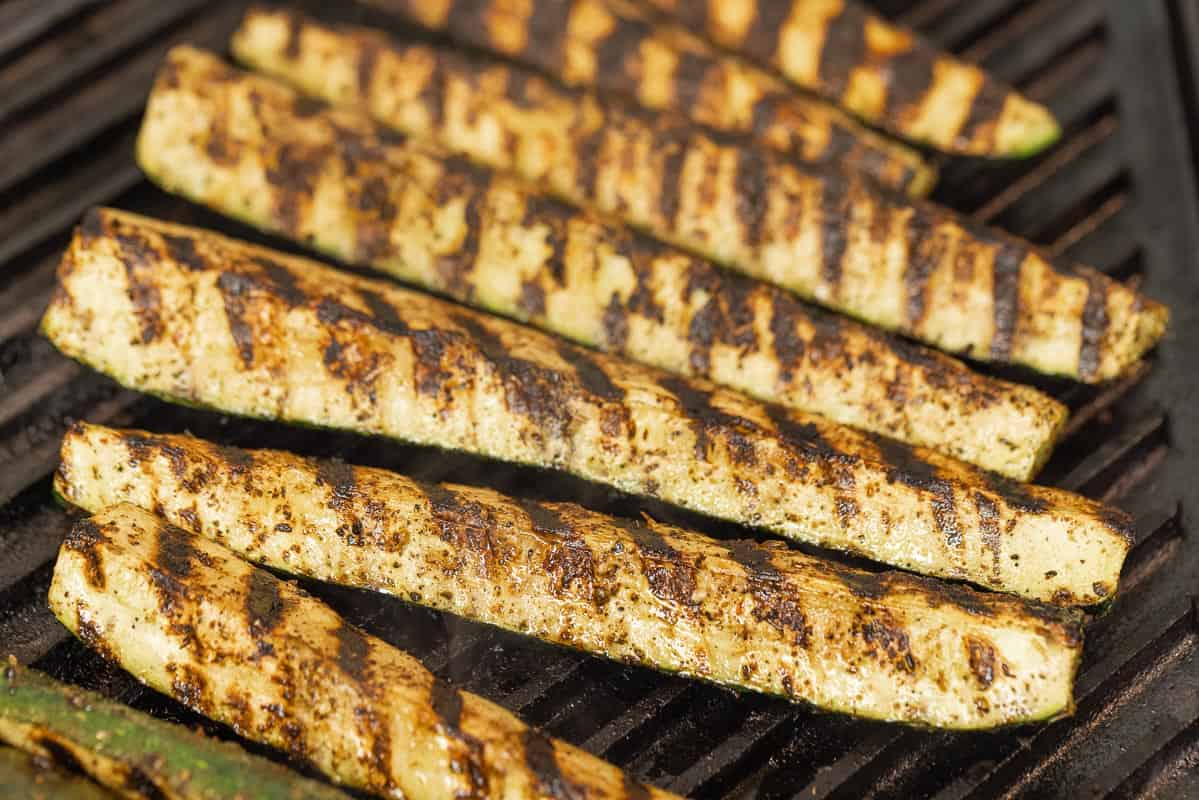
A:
(187, 313)
(132, 753)
(34, 778)
(754, 617)
(187, 617)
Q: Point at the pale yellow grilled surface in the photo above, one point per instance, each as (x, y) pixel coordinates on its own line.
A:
(615, 49)
(204, 319)
(882, 73)
(187, 617)
(220, 137)
(765, 618)
(919, 270)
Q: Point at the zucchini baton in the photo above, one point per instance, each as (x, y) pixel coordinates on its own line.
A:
(132, 753)
(882, 73)
(592, 44)
(914, 268)
(890, 646)
(231, 641)
(203, 319)
(33, 778)
(248, 147)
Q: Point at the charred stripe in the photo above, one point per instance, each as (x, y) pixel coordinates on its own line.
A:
(909, 78)
(542, 762)
(844, 47)
(834, 210)
(1005, 298)
(762, 37)
(86, 538)
(1094, 325)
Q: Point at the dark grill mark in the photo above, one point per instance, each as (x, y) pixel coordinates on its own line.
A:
(86, 538)
(727, 316)
(182, 250)
(789, 346)
(339, 477)
(294, 175)
(265, 609)
(428, 345)
(295, 28)
(1016, 495)
(705, 327)
(532, 298)
(1094, 325)
(548, 23)
(542, 761)
(588, 155)
(534, 391)
(569, 558)
(592, 375)
(866, 585)
(234, 287)
(304, 106)
(169, 571)
(446, 702)
(138, 257)
(844, 48)
(904, 467)
(669, 575)
(774, 599)
(690, 73)
(834, 209)
(447, 705)
(671, 188)
(985, 110)
(703, 416)
(643, 254)
(455, 268)
(616, 324)
(434, 92)
(988, 516)
(761, 40)
(239, 461)
(353, 652)
(805, 439)
(927, 248)
(884, 636)
(1005, 297)
(752, 184)
(92, 636)
(556, 217)
(280, 281)
(376, 216)
(909, 76)
(368, 58)
(616, 55)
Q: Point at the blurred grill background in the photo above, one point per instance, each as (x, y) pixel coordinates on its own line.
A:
(1118, 192)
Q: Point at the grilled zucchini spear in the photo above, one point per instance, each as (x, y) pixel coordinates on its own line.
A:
(882, 73)
(593, 44)
(32, 778)
(231, 641)
(197, 317)
(890, 646)
(251, 148)
(132, 753)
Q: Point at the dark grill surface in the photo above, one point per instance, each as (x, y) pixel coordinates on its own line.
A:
(1119, 192)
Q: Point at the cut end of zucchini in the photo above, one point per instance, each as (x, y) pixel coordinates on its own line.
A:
(1025, 130)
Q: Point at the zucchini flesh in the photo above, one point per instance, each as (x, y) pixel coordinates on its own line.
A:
(193, 315)
(757, 617)
(217, 135)
(132, 753)
(882, 73)
(188, 618)
(906, 266)
(34, 778)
